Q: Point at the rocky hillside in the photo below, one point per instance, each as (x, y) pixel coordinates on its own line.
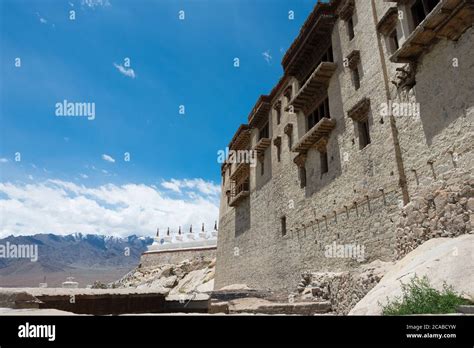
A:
(187, 277)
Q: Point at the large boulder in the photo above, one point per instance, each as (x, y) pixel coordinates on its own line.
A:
(449, 260)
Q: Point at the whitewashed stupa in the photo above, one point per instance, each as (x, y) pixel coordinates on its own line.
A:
(179, 241)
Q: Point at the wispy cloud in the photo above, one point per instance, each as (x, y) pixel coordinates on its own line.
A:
(108, 158)
(83, 176)
(41, 19)
(129, 72)
(110, 209)
(199, 185)
(95, 3)
(3, 160)
(266, 55)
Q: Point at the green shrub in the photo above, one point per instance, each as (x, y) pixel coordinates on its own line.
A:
(420, 298)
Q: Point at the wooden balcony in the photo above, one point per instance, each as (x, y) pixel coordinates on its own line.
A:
(235, 200)
(315, 88)
(239, 192)
(262, 145)
(448, 20)
(316, 136)
(241, 170)
(259, 114)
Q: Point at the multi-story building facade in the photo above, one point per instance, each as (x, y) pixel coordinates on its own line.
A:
(376, 102)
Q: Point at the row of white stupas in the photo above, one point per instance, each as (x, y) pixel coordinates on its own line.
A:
(180, 241)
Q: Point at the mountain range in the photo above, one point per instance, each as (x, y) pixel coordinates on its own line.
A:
(86, 257)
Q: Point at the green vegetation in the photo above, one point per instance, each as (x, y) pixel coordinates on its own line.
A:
(420, 298)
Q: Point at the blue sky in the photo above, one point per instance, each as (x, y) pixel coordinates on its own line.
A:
(173, 62)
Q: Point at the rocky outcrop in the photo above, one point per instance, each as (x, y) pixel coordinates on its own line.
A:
(443, 209)
(187, 277)
(341, 289)
(449, 260)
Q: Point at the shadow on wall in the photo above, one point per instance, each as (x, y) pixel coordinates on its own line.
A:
(242, 217)
(445, 92)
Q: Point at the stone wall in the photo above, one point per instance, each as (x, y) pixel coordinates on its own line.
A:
(155, 259)
(359, 200)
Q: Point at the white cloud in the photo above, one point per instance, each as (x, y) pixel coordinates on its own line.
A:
(199, 185)
(129, 72)
(266, 55)
(95, 3)
(108, 158)
(61, 207)
(84, 176)
(3, 160)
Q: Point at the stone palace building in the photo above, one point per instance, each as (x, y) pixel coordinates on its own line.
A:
(372, 118)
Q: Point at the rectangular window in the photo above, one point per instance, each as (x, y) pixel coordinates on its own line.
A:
(356, 78)
(421, 9)
(393, 41)
(264, 132)
(350, 28)
(283, 225)
(302, 171)
(324, 162)
(364, 134)
(278, 114)
(262, 168)
(278, 152)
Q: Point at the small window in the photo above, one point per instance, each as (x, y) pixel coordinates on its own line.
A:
(356, 78)
(264, 132)
(302, 171)
(262, 168)
(290, 141)
(278, 152)
(278, 113)
(283, 225)
(350, 28)
(324, 162)
(393, 41)
(364, 134)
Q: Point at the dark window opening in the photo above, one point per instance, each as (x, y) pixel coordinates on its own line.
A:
(283, 225)
(262, 168)
(302, 171)
(324, 162)
(364, 134)
(278, 114)
(393, 41)
(290, 141)
(318, 114)
(264, 132)
(278, 153)
(350, 29)
(421, 9)
(328, 56)
(356, 78)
